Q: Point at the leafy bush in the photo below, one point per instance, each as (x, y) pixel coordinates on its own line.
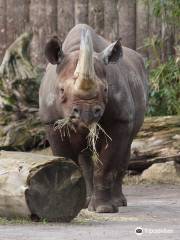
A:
(170, 9)
(164, 96)
(164, 64)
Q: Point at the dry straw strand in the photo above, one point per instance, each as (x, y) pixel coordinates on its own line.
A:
(65, 125)
(93, 136)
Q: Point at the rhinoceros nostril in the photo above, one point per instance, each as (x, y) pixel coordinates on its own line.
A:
(97, 111)
(75, 110)
(75, 113)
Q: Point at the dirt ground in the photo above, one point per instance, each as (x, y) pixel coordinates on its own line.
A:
(153, 208)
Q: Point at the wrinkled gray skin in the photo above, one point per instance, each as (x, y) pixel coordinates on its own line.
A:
(121, 114)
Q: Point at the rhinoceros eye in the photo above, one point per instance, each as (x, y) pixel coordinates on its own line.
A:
(105, 90)
(61, 94)
(61, 90)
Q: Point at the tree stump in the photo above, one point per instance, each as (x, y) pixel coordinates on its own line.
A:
(44, 187)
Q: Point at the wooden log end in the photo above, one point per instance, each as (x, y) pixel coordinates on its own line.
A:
(56, 192)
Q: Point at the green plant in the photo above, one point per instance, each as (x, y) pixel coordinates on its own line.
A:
(168, 10)
(164, 66)
(164, 96)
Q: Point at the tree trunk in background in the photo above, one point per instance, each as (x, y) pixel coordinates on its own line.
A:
(177, 35)
(16, 18)
(154, 33)
(127, 22)
(96, 15)
(43, 19)
(2, 28)
(65, 19)
(13, 21)
(177, 44)
(142, 26)
(168, 39)
(81, 11)
(111, 30)
(132, 20)
(51, 17)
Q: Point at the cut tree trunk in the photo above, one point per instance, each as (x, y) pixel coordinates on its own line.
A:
(40, 187)
(158, 141)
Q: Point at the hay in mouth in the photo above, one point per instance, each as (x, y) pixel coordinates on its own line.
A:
(65, 126)
(93, 136)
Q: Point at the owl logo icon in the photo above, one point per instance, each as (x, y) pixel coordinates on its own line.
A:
(139, 231)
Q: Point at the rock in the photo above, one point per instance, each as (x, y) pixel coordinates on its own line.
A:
(168, 172)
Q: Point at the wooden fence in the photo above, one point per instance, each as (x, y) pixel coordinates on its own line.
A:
(131, 20)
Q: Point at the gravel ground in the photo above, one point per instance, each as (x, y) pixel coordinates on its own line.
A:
(153, 208)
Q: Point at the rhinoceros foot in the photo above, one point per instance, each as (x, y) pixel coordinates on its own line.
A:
(102, 206)
(119, 201)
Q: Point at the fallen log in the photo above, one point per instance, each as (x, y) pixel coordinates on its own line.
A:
(20, 127)
(39, 186)
(22, 135)
(19, 80)
(157, 142)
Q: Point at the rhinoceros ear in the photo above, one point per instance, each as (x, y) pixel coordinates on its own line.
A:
(112, 53)
(53, 50)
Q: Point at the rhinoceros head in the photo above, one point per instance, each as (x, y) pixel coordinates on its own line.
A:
(81, 78)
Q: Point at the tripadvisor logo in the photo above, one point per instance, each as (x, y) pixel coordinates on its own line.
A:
(139, 231)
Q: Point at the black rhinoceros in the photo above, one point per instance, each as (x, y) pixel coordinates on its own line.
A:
(93, 99)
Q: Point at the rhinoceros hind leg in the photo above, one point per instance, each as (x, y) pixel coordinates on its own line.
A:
(118, 197)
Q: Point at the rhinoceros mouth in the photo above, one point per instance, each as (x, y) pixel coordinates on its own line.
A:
(66, 127)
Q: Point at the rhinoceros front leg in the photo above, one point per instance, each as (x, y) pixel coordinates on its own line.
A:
(59, 146)
(107, 192)
(86, 164)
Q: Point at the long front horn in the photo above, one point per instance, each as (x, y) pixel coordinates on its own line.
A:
(84, 72)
